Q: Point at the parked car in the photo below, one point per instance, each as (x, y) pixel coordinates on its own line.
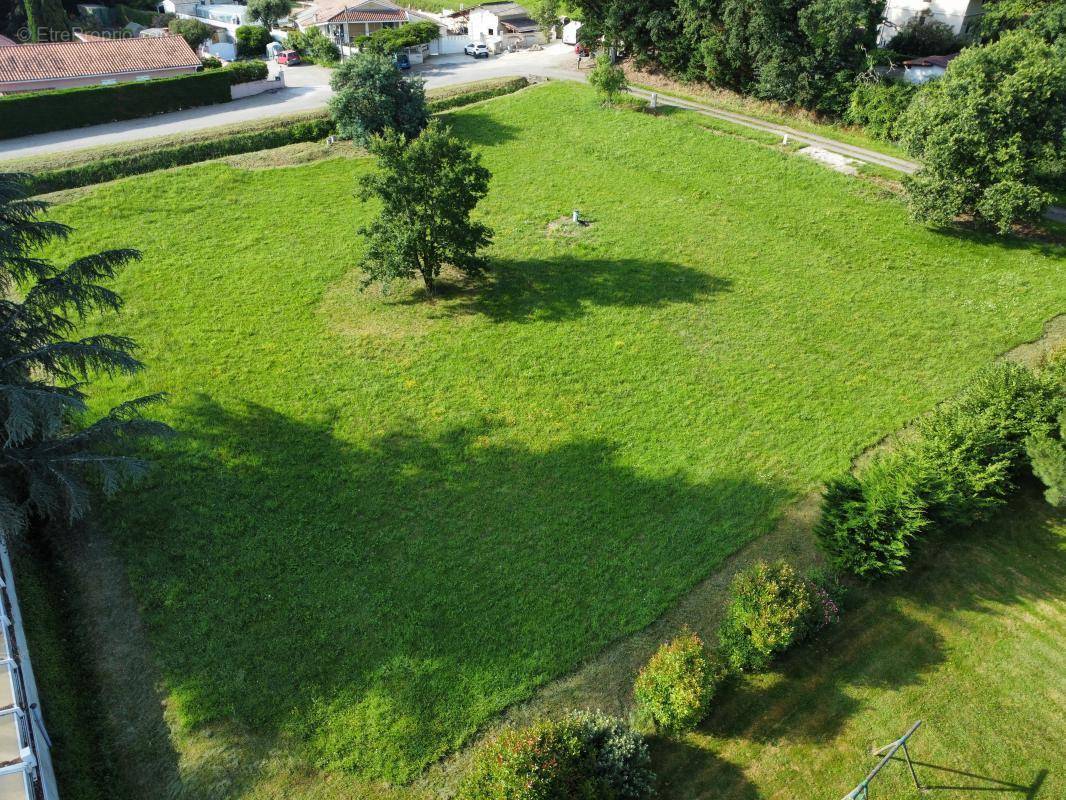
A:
(402, 61)
(583, 50)
(477, 50)
(288, 58)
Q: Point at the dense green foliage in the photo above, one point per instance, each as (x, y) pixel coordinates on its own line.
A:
(580, 757)
(40, 112)
(49, 459)
(252, 41)
(436, 510)
(389, 40)
(268, 12)
(194, 31)
(428, 188)
(926, 37)
(277, 134)
(960, 465)
(986, 130)
(673, 691)
(879, 107)
(607, 78)
(771, 608)
(313, 44)
(372, 97)
(807, 52)
(246, 71)
(46, 20)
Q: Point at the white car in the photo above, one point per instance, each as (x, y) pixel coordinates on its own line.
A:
(477, 50)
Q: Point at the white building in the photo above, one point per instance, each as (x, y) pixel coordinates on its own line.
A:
(570, 30)
(960, 15)
(502, 26)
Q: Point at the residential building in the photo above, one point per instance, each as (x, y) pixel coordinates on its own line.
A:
(346, 22)
(960, 15)
(60, 65)
(921, 70)
(502, 26)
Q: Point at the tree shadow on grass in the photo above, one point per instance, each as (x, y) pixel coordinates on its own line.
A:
(379, 602)
(480, 126)
(883, 642)
(564, 288)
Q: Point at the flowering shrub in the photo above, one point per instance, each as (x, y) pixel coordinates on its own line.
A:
(583, 756)
(674, 690)
(772, 608)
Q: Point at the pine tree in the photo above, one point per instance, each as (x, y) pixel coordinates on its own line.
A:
(49, 455)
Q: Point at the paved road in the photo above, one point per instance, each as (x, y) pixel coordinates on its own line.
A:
(308, 90)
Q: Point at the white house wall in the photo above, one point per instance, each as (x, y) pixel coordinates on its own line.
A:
(956, 13)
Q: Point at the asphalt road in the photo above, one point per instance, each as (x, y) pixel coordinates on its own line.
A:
(307, 90)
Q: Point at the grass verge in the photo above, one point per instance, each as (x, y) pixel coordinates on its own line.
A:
(388, 519)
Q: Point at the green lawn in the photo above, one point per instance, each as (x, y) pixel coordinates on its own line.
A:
(970, 642)
(384, 519)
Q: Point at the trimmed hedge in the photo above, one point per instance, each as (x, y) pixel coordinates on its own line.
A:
(60, 109)
(961, 464)
(109, 169)
(465, 98)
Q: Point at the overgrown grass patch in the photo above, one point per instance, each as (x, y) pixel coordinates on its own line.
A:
(386, 519)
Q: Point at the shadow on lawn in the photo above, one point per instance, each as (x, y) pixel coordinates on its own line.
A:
(380, 602)
(480, 126)
(881, 643)
(562, 288)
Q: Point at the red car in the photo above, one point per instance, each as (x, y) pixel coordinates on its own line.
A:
(288, 57)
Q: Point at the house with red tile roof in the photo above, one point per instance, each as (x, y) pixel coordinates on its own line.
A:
(61, 65)
(344, 22)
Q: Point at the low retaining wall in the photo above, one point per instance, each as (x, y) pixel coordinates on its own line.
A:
(239, 90)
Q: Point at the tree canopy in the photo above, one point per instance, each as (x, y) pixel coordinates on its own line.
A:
(372, 96)
(50, 454)
(428, 188)
(192, 31)
(390, 40)
(269, 12)
(986, 131)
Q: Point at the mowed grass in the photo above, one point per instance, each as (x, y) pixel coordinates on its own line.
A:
(970, 642)
(386, 519)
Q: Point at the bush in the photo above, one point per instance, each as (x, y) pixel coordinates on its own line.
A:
(607, 78)
(252, 41)
(1047, 454)
(586, 756)
(879, 107)
(109, 169)
(39, 112)
(771, 608)
(313, 44)
(210, 62)
(247, 71)
(921, 37)
(960, 465)
(673, 691)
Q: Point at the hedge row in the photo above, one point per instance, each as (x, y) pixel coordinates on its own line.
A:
(960, 464)
(109, 169)
(229, 144)
(60, 109)
(465, 98)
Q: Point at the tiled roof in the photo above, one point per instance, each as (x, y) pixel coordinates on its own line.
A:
(51, 60)
(5, 42)
(931, 61)
(351, 15)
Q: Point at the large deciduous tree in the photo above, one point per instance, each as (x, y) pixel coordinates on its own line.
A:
(51, 455)
(269, 12)
(372, 97)
(428, 188)
(986, 131)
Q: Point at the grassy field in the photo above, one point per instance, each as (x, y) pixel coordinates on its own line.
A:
(970, 642)
(387, 519)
